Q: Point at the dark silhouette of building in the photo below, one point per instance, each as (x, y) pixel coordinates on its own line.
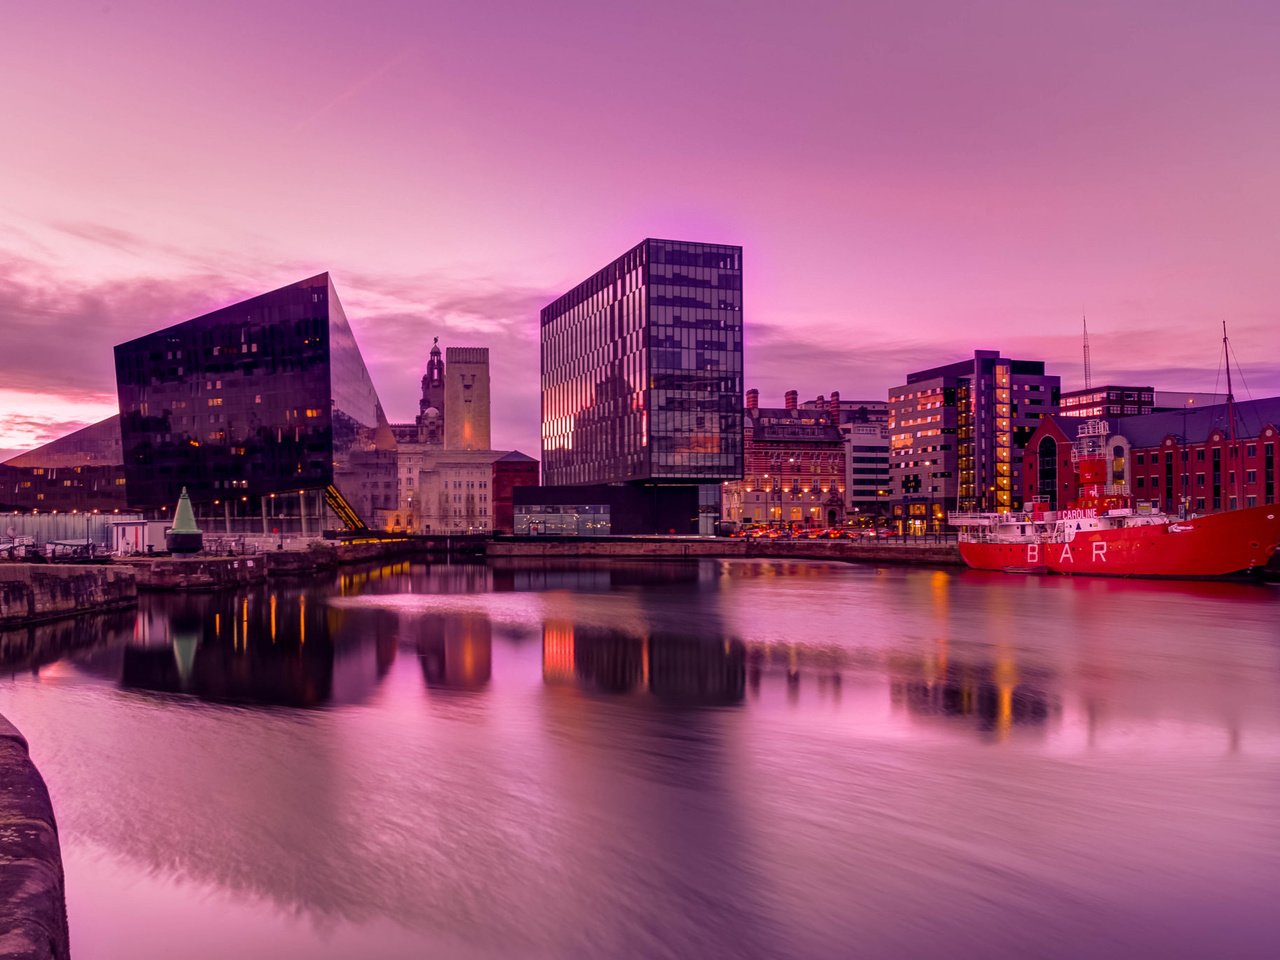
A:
(263, 410)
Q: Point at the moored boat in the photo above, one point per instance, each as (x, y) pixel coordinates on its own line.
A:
(1104, 533)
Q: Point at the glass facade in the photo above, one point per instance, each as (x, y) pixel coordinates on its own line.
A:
(79, 472)
(266, 397)
(563, 520)
(642, 369)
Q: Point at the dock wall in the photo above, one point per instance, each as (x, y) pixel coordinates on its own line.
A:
(33, 906)
(212, 573)
(31, 592)
(852, 551)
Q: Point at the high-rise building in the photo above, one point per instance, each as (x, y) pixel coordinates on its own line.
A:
(466, 398)
(957, 432)
(642, 374)
(642, 369)
(263, 410)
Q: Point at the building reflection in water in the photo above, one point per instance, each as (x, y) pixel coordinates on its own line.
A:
(278, 645)
(994, 696)
(259, 646)
(87, 635)
(689, 670)
(456, 649)
(428, 579)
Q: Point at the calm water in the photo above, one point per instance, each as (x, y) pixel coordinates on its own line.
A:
(718, 759)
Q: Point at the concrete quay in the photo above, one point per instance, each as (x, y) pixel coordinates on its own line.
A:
(928, 553)
(33, 906)
(213, 572)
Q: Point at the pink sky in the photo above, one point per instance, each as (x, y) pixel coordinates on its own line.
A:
(911, 181)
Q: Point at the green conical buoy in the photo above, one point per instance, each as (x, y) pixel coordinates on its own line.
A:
(184, 536)
(184, 518)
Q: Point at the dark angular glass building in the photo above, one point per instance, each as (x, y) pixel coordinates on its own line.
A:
(642, 369)
(263, 410)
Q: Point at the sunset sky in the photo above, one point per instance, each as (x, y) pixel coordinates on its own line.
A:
(910, 181)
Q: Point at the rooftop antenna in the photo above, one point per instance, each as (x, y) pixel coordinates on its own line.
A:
(1088, 372)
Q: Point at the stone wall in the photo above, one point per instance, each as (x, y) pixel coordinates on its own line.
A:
(212, 573)
(33, 908)
(30, 592)
(856, 551)
(195, 573)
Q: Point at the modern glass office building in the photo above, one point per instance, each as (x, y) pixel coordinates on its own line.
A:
(642, 369)
(263, 410)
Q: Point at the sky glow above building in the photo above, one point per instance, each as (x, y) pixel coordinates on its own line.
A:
(910, 182)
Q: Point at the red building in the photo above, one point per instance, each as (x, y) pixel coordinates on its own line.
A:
(1195, 460)
(515, 469)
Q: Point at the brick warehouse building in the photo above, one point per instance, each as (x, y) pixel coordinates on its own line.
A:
(795, 465)
(1184, 461)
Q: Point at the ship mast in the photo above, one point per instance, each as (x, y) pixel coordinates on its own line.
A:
(1231, 400)
(1088, 373)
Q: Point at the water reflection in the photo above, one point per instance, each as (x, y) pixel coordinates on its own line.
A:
(713, 759)
(456, 651)
(33, 647)
(994, 697)
(269, 645)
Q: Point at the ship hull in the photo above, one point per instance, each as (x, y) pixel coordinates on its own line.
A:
(1218, 545)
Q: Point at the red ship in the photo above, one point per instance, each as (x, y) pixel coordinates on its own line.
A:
(1103, 533)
